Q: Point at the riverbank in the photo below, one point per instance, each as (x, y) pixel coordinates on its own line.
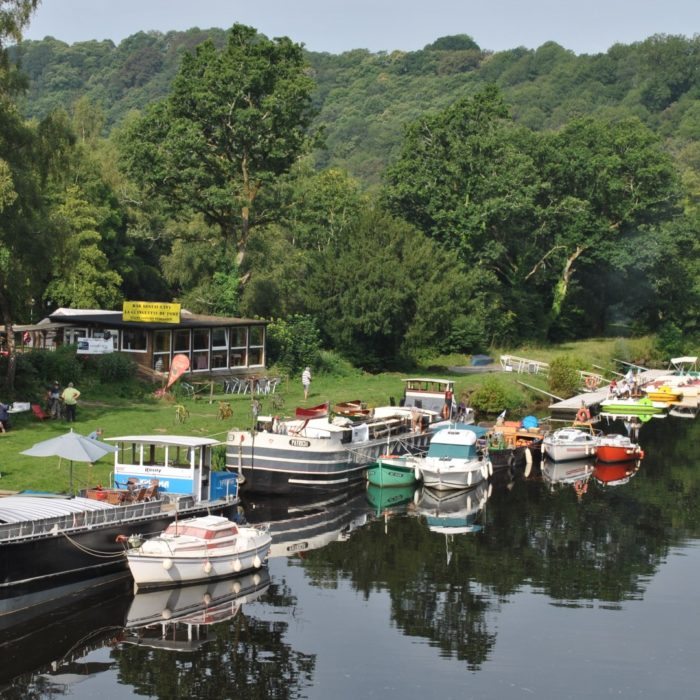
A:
(201, 415)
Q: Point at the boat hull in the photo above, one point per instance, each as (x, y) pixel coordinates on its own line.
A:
(158, 571)
(516, 457)
(392, 471)
(286, 464)
(445, 475)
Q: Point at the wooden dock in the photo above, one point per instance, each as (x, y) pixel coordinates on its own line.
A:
(592, 399)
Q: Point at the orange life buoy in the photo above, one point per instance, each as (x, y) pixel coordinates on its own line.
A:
(592, 381)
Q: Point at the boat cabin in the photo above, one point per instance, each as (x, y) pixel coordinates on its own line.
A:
(180, 464)
(430, 394)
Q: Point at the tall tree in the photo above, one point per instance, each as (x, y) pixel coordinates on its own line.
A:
(235, 120)
(609, 185)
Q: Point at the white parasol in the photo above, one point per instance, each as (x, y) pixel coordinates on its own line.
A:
(73, 447)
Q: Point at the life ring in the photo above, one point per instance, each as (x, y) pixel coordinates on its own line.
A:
(583, 416)
(592, 382)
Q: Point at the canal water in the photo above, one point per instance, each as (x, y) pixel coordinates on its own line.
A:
(580, 582)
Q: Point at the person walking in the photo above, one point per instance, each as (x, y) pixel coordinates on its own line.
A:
(53, 398)
(306, 381)
(70, 398)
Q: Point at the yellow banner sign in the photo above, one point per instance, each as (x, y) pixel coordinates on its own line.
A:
(151, 312)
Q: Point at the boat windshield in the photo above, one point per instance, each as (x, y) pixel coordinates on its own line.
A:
(201, 533)
(451, 451)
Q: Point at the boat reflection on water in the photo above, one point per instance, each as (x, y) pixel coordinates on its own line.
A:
(452, 512)
(177, 619)
(48, 632)
(301, 524)
(615, 474)
(575, 473)
(389, 499)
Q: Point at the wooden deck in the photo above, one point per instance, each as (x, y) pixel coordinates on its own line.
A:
(592, 399)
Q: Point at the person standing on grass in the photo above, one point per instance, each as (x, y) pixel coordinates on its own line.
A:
(306, 381)
(70, 398)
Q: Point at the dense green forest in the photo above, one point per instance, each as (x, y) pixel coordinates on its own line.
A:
(382, 204)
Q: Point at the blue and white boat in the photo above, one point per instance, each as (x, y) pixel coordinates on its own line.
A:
(455, 459)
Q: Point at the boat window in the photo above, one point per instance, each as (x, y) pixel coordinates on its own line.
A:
(189, 531)
(228, 532)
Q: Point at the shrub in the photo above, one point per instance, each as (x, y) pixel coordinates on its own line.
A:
(494, 395)
(330, 362)
(564, 378)
(114, 367)
(294, 343)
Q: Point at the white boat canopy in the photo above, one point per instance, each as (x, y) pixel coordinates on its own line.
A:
(689, 360)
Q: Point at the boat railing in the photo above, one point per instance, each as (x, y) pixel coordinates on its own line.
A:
(28, 529)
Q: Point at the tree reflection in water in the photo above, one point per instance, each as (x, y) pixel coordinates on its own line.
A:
(597, 550)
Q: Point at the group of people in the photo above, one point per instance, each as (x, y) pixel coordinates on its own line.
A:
(626, 388)
(62, 402)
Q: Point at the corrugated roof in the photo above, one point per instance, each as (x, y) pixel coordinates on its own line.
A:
(19, 509)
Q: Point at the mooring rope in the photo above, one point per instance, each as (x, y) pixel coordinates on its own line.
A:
(92, 552)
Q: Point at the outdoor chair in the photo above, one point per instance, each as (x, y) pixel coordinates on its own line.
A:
(262, 386)
(273, 384)
(38, 411)
(187, 389)
(231, 386)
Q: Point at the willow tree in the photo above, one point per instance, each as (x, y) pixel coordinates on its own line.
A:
(234, 121)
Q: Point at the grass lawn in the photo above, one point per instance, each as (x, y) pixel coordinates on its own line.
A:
(148, 416)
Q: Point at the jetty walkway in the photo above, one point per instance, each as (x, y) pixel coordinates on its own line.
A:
(592, 399)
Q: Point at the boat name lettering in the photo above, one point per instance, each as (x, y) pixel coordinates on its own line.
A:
(295, 442)
(153, 470)
(298, 546)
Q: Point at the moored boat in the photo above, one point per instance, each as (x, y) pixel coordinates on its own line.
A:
(513, 444)
(663, 393)
(323, 453)
(198, 549)
(49, 540)
(632, 407)
(617, 448)
(568, 444)
(453, 460)
(684, 410)
(392, 470)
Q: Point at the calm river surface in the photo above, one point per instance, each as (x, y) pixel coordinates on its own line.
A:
(578, 583)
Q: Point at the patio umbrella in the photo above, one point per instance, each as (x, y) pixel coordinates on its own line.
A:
(73, 447)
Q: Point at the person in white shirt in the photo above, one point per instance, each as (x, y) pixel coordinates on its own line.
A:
(306, 381)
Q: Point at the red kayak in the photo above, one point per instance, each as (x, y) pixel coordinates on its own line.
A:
(314, 412)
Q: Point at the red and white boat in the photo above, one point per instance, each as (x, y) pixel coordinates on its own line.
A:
(617, 448)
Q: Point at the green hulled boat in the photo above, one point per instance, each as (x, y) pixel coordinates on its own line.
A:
(631, 407)
(392, 470)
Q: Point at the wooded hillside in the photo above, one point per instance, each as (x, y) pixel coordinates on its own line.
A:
(365, 99)
(381, 205)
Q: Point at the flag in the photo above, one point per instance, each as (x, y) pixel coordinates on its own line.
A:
(180, 365)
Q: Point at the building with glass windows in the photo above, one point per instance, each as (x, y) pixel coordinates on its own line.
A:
(214, 344)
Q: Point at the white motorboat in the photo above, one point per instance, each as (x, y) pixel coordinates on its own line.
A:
(569, 444)
(453, 460)
(198, 549)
